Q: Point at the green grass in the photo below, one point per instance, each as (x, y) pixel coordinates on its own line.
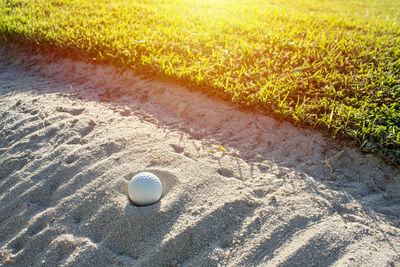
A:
(332, 65)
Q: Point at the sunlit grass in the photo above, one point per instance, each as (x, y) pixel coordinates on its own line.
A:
(332, 65)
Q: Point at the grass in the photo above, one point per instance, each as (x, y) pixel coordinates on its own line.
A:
(332, 65)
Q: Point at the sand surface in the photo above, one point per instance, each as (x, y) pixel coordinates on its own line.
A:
(239, 188)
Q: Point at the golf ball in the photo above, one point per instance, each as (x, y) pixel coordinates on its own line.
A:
(144, 188)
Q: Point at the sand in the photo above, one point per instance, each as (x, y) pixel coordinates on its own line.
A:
(239, 188)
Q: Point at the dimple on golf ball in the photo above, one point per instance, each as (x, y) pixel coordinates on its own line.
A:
(144, 189)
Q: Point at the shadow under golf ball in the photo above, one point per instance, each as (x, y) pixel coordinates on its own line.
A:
(168, 181)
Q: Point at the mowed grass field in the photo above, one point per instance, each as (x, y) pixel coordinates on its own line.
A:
(332, 65)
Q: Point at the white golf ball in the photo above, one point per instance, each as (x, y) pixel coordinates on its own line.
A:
(144, 188)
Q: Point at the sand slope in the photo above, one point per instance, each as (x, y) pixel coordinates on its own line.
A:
(73, 133)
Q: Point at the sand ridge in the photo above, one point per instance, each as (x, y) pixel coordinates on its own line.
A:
(239, 188)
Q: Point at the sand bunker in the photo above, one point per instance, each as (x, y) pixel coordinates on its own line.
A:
(73, 133)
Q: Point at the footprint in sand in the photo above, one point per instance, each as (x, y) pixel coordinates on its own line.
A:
(11, 165)
(83, 131)
(18, 243)
(37, 226)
